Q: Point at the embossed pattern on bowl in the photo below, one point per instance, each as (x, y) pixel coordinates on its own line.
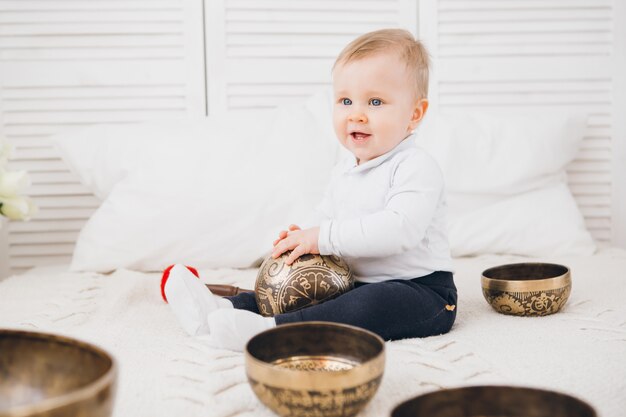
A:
(527, 289)
(316, 369)
(310, 280)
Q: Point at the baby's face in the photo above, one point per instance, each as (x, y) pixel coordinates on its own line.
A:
(375, 105)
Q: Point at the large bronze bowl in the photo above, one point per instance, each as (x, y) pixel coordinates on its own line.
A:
(311, 279)
(46, 375)
(316, 369)
(527, 289)
(493, 401)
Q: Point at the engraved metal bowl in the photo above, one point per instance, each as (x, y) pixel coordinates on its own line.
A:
(46, 375)
(494, 401)
(527, 289)
(311, 279)
(317, 369)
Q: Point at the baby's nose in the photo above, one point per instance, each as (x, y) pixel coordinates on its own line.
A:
(357, 117)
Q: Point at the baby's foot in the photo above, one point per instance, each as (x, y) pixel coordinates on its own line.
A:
(232, 328)
(190, 300)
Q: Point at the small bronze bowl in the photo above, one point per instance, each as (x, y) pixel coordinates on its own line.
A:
(527, 289)
(46, 375)
(311, 279)
(493, 401)
(315, 368)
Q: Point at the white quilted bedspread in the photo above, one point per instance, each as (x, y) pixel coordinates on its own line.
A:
(163, 372)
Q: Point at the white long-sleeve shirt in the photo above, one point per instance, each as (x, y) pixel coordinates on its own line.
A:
(386, 217)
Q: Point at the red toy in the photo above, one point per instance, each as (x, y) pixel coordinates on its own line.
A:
(166, 275)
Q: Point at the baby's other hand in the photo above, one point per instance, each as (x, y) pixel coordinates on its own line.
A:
(298, 241)
(283, 233)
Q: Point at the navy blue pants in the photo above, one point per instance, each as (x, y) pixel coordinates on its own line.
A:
(394, 309)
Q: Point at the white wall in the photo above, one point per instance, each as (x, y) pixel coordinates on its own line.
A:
(70, 63)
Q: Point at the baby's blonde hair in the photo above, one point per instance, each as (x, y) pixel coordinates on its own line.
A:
(411, 51)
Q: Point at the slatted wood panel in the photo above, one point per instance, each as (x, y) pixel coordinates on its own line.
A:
(525, 28)
(268, 95)
(68, 64)
(263, 53)
(80, 30)
(306, 29)
(539, 55)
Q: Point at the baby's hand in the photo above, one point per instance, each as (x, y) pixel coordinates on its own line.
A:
(283, 233)
(299, 242)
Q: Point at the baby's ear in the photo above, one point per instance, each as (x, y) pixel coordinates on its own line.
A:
(419, 110)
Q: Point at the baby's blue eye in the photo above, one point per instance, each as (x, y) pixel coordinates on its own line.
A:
(346, 101)
(376, 102)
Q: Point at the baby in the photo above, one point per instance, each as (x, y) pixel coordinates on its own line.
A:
(383, 212)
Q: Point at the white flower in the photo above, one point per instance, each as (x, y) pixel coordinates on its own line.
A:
(5, 153)
(13, 205)
(11, 182)
(17, 208)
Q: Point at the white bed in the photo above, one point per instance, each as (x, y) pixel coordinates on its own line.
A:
(164, 372)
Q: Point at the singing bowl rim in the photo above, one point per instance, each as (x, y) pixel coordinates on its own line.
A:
(498, 390)
(525, 285)
(281, 377)
(76, 395)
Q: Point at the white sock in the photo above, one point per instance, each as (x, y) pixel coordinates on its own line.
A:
(223, 302)
(232, 328)
(191, 301)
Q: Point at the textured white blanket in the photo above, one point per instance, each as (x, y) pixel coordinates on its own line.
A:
(163, 372)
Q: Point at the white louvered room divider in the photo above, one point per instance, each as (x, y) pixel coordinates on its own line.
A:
(264, 53)
(66, 64)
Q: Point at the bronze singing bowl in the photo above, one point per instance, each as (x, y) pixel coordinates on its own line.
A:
(46, 375)
(493, 401)
(316, 369)
(310, 280)
(527, 289)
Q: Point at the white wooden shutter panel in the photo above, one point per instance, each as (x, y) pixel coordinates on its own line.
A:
(264, 53)
(531, 54)
(67, 64)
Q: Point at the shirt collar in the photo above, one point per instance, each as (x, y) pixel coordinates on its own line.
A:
(406, 143)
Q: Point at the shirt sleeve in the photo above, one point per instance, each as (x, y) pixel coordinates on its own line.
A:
(410, 206)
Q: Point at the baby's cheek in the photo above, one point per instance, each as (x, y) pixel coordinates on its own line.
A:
(340, 128)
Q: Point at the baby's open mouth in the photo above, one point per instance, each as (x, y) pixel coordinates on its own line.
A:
(359, 136)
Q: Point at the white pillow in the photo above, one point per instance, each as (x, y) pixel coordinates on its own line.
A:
(506, 182)
(541, 222)
(217, 202)
(102, 155)
(501, 153)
